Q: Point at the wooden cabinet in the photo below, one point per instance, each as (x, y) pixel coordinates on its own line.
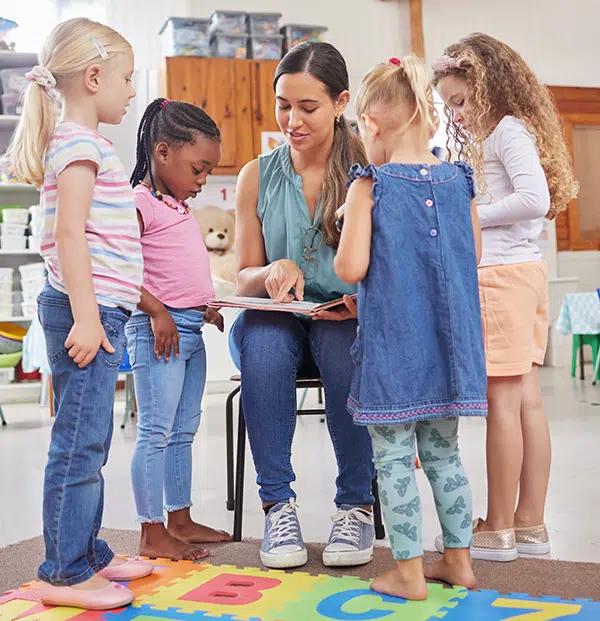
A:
(237, 94)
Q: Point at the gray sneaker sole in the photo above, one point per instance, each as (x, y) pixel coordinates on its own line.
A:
(284, 561)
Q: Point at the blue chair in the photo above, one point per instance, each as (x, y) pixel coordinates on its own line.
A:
(129, 389)
(597, 365)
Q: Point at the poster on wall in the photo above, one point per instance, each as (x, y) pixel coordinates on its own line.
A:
(270, 141)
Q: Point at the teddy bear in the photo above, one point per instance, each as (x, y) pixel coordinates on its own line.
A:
(218, 231)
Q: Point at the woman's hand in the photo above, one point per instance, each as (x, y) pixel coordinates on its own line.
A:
(342, 313)
(84, 341)
(214, 317)
(284, 275)
(166, 336)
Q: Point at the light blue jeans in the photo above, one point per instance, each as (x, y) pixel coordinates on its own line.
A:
(169, 397)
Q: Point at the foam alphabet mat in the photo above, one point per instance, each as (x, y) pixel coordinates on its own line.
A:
(185, 591)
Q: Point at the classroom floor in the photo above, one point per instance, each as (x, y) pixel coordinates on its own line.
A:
(572, 504)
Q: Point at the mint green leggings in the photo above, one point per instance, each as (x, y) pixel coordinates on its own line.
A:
(437, 442)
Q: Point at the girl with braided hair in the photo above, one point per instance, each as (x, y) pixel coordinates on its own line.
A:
(178, 146)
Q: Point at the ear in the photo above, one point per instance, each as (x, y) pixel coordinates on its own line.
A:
(342, 103)
(161, 151)
(91, 78)
(371, 125)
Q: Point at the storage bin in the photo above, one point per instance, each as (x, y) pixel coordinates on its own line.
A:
(29, 309)
(7, 376)
(13, 242)
(229, 46)
(6, 310)
(6, 276)
(33, 243)
(30, 271)
(32, 288)
(300, 33)
(11, 338)
(11, 104)
(10, 361)
(229, 22)
(15, 216)
(263, 23)
(265, 47)
(13, 229)
(6, 287)
(14, 80)
(185, 37)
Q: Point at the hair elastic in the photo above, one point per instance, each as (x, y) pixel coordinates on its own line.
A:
(165, 103)
(394, 60)
(101, 49)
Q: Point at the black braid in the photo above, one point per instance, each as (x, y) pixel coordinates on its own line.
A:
(175, 123)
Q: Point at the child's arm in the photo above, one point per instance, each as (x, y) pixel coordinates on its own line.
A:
(74, 191)
(530, 198)
(354, 252)
(476, 230)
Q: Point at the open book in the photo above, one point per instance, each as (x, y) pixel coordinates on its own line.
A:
(266, 304)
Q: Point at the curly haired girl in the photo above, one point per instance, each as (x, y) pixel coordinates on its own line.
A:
(503, 122)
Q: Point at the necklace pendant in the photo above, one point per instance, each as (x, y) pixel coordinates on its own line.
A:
(181, 209)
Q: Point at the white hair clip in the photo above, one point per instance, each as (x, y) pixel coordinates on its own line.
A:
(101, 50)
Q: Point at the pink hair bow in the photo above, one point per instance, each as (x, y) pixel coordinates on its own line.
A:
(449, 62)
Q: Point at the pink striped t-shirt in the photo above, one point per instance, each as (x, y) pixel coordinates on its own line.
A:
(176, 262)
(111, 229)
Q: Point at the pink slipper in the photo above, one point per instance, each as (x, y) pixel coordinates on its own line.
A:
(131, 569)
(107, 598)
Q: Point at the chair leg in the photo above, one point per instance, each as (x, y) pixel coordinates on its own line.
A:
(379, 527)
(239, 476)
(2, 419)
(229, 445)
(581, 359)
(596, 369)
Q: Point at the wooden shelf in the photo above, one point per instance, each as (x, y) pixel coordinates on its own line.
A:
(12, 60)
(18, 253)
(8, 120)
(17, 187)
(15, 319)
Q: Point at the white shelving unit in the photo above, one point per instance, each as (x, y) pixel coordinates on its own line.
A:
(25, 196)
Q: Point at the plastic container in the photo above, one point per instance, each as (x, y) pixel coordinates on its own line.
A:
(29, 309)
(11, 338)
(33, 243)
(265, 47)
(263, 23)
(6, 287)
(14, 80)
(6, 297)
(229, 22)
(21, 376)
(32, 288)
(6, 276)
(185, 37)
(300, 33)
(11, 104)
(13, 229)
(7, 376)
(32, 271)
(8, 361)
(13, 242)
(6, 310)
(15, 216)
(229, 46)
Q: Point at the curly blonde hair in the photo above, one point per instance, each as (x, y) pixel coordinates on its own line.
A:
(499, 83)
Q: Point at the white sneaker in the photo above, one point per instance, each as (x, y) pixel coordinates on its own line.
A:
(282, 546)
(352, 538)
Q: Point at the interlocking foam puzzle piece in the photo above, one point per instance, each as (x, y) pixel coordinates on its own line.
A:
(165, 572)
(351, 599)
(493, 606)
(225, 589)
(147, 613)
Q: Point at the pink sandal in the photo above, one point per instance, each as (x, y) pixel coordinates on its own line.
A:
(110, 597)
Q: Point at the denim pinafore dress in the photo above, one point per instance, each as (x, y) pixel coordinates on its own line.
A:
(419, 351)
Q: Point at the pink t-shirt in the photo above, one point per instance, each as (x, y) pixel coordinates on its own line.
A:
(176, 263)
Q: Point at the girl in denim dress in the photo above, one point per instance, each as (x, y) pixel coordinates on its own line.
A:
(411, 239)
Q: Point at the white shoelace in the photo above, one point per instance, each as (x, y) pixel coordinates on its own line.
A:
(347, 525)
(284, 524)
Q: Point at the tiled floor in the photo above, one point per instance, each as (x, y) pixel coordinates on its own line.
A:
(573, 501)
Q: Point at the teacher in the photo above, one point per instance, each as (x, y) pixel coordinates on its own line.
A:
(286, 242)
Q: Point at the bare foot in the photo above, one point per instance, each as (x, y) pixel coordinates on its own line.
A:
(406, 581)
(455, 568)
(181, 526)
(157, 542)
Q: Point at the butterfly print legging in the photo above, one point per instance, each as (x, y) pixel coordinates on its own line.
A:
(394, 450)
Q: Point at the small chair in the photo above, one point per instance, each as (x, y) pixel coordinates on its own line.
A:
(130, 406)
(235, 489)
(597, 359)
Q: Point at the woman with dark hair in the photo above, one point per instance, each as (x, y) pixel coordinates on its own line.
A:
(286, 242)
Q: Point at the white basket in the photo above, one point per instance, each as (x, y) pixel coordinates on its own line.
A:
(6, 297)
(7, 375)
(6, 287)
(13, 229)
(13, 242)
(30, 271)
(15, 216)
(33, 243)
(32, 288)
(29, 309)
(6, 310)
(6, 275)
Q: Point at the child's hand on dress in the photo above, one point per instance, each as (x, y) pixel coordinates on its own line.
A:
(84, 341)
(166, 336)
(214, 317)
